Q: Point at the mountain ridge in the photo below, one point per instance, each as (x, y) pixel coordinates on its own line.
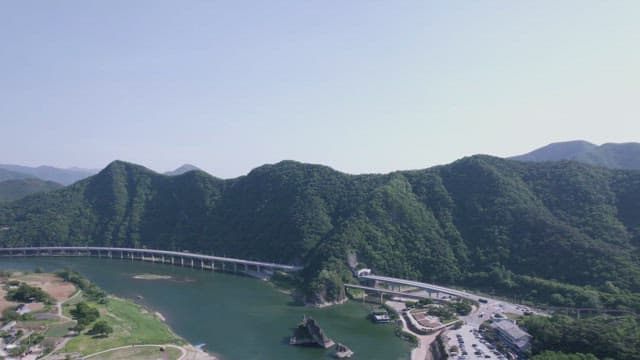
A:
(482, 221)
(15, 189)
(182, 169)
(50, 173)
(609, 155)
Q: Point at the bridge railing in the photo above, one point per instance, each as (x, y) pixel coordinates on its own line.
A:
(188, 255)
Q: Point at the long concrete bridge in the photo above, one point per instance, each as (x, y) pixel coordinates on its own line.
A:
(157, 256)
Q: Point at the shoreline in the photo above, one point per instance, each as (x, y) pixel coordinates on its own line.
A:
(198, 353)
(85, 343)
(423, 350)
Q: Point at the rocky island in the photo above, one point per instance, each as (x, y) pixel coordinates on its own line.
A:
(309, 332)
(342, 352)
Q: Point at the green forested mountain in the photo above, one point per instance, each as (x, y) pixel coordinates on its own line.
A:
(561, 233)
(16, 189)
(610, 155)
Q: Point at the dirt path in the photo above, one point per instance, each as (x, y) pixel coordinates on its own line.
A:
(60, 303)
(61, 315)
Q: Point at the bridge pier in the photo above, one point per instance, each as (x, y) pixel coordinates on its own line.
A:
(150, 255)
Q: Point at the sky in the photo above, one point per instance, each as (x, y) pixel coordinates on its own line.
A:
(361, 86)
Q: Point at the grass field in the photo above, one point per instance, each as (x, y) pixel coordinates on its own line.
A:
(131, 325)
(59, 330)
(142, 353)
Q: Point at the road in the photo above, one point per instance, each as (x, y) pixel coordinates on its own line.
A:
(467, 338)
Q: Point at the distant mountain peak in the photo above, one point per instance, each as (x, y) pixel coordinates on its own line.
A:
(50, 173)
(609, 155)
(185, 168)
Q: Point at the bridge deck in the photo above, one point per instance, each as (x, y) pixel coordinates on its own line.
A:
(421, 285)
(61, 249)
(384, 291)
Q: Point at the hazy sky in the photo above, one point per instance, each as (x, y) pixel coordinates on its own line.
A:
(368, 86)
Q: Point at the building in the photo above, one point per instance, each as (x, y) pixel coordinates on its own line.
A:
(516, 338)
(380, 317)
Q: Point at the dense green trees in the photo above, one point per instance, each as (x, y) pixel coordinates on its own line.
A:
(17, 189)
(101, 327)
(84, 314)
(553, 355)
(602, 336)
(27, 293)
(561, 233)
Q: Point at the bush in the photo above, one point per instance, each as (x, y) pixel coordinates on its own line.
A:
(101, 327)
(409, 337)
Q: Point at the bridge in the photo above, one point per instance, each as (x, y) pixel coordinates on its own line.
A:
(420, 285)
(384, 291)
(157, 256)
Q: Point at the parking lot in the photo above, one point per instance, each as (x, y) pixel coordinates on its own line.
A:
(471, 345)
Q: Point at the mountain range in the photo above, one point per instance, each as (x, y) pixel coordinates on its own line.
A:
(182, 169)
(563, 233)
(50, 173)
(11, 190)
(610, 155)
(18, 181)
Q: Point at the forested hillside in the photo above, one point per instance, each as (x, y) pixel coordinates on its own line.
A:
(561, 233)
(16, 189)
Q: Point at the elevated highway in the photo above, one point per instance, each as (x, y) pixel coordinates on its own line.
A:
(421, 285)
(384, 291)
(162, 256)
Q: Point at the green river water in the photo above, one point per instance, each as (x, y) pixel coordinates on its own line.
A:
(238, 318)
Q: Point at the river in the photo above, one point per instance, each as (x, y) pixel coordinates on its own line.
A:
(236, 317)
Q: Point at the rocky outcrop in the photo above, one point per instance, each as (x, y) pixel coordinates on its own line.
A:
(342, 352)
(309, 332)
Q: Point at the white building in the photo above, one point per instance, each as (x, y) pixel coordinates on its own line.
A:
(518, 339)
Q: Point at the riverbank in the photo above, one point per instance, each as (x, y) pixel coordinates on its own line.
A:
(422, 351)
(51, 329)
(236, 317)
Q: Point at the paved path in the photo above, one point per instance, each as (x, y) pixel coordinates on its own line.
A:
(424, 341)
(182, 350)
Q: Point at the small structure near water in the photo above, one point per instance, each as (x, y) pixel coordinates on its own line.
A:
(380, 317)
(342, 352)
(309, 332)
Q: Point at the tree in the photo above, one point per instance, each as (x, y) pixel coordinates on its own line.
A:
(101, 327)
(84, 314)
